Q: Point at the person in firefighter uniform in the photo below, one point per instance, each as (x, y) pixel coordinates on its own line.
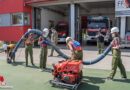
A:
(29, 48)
(116, 59)
(100, 41)
(44, 49)
(54, 39)
(76, 49)
(9, 50)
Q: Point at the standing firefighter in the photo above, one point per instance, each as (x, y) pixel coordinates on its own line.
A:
(54, 39)
(100, 41)
(76, 49)
(116, 59)
(9, 50)
(29, 48)
(44, 51)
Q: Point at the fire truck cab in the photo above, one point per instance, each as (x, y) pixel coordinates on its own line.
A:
(93, 26)
(62, 29)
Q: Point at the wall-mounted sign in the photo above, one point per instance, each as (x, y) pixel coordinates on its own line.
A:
(122, 8)
(128, 37)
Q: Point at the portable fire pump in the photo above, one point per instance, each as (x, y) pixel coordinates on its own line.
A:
(67, 74)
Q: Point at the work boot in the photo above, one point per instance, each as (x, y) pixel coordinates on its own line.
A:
(25, 65)
(109, 78)
(42, 69)
(33, 64)
(124, 78)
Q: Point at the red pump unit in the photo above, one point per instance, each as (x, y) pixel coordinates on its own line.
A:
(67, 74)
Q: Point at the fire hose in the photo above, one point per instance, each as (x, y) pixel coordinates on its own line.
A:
(88, 62)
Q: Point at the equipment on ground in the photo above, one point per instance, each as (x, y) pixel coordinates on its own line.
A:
(67, 74)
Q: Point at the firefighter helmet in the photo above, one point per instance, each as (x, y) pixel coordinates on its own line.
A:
(29, 31)
(68, 39)
(115, 29)
(45, 32)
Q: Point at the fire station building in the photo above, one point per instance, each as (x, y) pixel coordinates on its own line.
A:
(16, 16)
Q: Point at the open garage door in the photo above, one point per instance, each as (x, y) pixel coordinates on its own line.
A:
(95, 16)
(70, 18)
(56, 16)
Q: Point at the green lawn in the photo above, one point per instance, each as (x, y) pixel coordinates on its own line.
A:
(31, 78)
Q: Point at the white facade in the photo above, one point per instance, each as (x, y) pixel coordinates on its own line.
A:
(47, 15)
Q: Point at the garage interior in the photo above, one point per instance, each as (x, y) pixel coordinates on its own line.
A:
(46, 15)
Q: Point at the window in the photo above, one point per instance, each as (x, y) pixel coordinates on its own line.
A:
(17, 18)
(95, 25)
(26, 19)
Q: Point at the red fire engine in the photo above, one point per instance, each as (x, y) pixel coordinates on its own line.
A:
(92, 26)
(63, 30)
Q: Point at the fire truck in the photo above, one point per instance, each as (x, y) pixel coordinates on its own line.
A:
(63, 29)
(93, 26)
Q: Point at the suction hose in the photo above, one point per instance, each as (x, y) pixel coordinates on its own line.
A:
(90, 62)
(39, 33)
(58, 50)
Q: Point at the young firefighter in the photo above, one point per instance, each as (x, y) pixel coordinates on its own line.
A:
(29, 48)
(9, 50)
(44, 51)
(54, 39)
(76, 49)
(116, 59)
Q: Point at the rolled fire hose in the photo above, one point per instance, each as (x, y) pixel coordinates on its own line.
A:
(58, 50)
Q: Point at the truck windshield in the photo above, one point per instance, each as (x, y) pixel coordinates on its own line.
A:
(62, 28)
(96, 25)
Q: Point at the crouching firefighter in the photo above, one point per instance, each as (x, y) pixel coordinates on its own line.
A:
(44, 49)
(9, 50)
(76, 49)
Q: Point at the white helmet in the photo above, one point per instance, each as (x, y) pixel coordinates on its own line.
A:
(45, 32)
(115, 29)
(68, 39)
(30, 30)
(5, 46)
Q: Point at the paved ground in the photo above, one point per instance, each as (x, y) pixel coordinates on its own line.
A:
(31, 78)
(90, 53)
